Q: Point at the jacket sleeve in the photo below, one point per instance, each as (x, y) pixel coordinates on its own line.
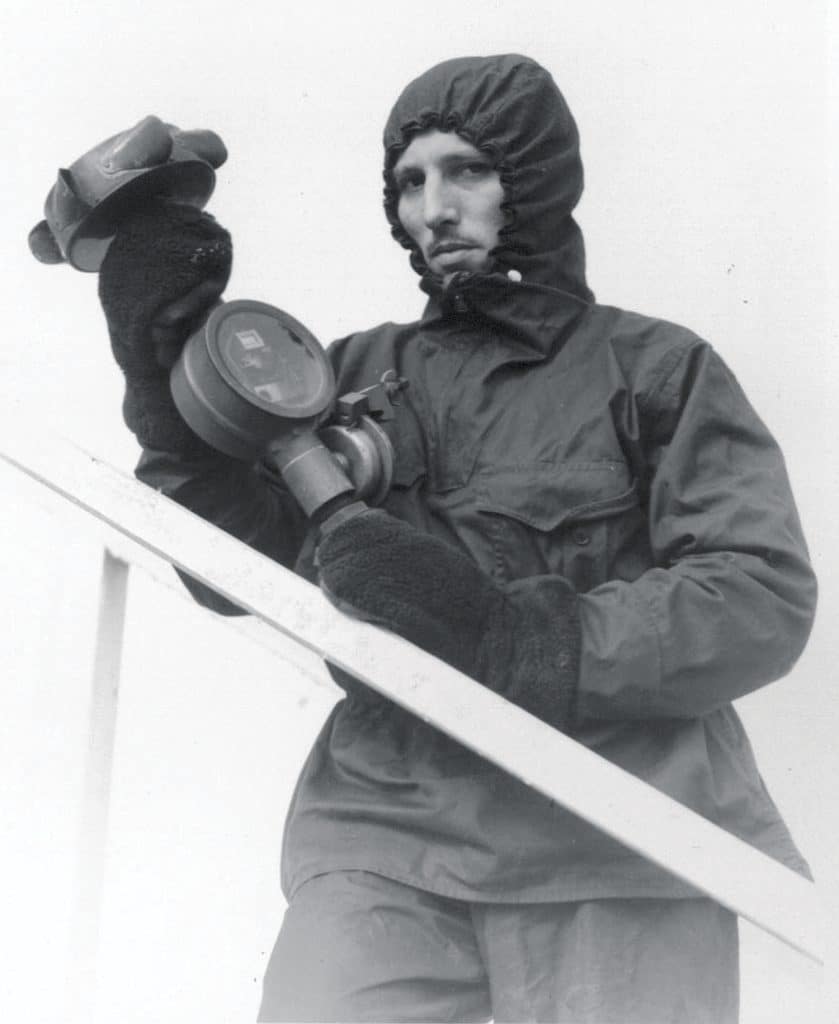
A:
(729, 604)
(244, 500)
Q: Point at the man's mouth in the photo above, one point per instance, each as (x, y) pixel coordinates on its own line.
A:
(449, 246)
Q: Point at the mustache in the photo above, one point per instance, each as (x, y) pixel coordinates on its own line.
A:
(450, 242)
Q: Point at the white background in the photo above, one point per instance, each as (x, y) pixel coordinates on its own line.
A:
(707, 136)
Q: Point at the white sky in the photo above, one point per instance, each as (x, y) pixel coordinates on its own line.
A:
(709, 148)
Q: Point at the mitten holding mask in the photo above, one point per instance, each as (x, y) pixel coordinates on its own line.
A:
(164, 271)
(521, 640)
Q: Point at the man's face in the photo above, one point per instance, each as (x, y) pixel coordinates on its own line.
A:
(449, 201)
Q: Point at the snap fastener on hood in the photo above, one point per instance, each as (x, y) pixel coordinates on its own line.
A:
(509, 107)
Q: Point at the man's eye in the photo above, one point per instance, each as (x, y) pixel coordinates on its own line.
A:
(409, 183)
(474, 169)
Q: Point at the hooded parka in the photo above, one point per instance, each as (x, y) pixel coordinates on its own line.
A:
(545, 434)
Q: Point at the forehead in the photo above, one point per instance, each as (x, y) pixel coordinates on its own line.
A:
(434, 146)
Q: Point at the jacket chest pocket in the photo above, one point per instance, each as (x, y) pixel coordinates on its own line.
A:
(581, 521)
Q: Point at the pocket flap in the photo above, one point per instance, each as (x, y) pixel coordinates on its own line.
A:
(546, 498)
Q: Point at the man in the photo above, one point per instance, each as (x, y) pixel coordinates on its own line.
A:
(587, 516)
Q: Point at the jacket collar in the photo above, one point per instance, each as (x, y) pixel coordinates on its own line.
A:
(535, 319)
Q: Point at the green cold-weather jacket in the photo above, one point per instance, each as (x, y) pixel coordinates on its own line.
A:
(543, 433)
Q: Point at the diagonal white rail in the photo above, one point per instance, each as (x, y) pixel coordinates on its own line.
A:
(662, 830)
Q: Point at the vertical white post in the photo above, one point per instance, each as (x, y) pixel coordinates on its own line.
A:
(97, 787)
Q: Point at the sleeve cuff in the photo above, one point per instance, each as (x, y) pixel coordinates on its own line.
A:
(538, 666)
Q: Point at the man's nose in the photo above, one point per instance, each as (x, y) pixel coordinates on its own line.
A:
(439, 207)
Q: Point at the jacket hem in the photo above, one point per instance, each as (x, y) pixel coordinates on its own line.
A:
(571, 888)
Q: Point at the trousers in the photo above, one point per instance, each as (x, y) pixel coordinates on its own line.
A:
(355, 946)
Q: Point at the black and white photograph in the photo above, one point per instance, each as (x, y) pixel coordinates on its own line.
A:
(418, 476)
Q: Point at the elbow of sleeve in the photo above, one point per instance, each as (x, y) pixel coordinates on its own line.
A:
(233, 497)
(680, 649)
(756, 643)
(800, 603)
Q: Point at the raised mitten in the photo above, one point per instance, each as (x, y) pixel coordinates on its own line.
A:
(522, 640)
(165, 257)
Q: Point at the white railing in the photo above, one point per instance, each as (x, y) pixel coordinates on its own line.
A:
(736, 875)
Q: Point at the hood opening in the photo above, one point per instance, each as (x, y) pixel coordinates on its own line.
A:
(509, 107)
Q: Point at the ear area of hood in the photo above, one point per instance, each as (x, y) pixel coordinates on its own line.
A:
(509, 107)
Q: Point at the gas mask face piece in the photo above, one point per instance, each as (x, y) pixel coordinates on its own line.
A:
(82, 210)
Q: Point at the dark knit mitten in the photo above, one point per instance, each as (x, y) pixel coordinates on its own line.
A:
(522, 641)
(165, 269)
